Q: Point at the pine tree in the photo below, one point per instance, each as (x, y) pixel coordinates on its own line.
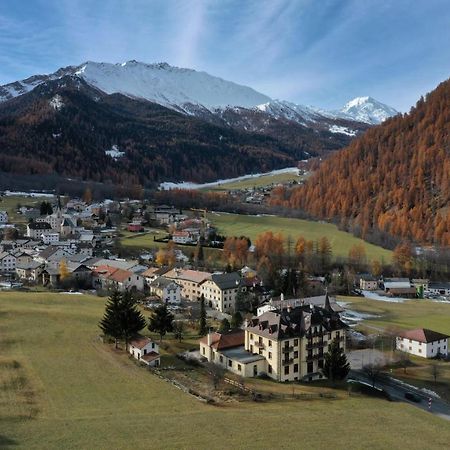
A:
(336, 364)
(161, 321)
(236, 320)
(111, 324)
(202, 321)
(224, 326)
(131, 319)
(178, 330)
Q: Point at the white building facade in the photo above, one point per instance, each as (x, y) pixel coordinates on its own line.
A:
(423, 342)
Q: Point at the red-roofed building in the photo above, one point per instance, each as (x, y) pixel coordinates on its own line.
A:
(227, 350)
(145, 350)
(423, 342)
(108, 277)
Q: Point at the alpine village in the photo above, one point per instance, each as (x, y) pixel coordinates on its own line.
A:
(187, 262)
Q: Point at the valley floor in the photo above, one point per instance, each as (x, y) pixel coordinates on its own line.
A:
(60, 387)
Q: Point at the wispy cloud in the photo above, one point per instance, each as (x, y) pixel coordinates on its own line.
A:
(319, 53)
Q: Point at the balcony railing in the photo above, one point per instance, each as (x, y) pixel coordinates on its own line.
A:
(286, 362)
(288, 349)
(316, 345)
(259, 345)
(313, 357)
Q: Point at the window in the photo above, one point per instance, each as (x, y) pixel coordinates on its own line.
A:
(230, 363)
(270, 343)
(251, 348)
(251, 336)
(203, 350)
(295, 341)
(270, 355)
(295, 354)
(420, 350)
(286, 370)
(260, 351)
(295, 368)
(239, 367)
(221, 358)
(269, 368)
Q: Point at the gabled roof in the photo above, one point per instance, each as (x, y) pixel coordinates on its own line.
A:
(29, 266)
(39, 226)
(162, 283)
(226, 280)
(423, 335)
(151, 356)
(5, 254)
(292, 322)
(120, 275)
(49, 251)
(195, 276)
(221, 341)
(140, 342)
(154, 271)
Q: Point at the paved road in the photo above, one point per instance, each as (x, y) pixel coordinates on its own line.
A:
(397, 389)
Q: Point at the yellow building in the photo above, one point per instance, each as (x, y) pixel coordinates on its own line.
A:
(290, 344)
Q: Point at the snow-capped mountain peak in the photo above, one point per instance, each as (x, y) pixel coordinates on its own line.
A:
(199, 94)
(368, 110)
(168, 85)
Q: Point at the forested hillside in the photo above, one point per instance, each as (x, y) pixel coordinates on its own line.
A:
(394, 178)
(66, 127)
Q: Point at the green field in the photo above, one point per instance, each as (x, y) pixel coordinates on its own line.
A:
(407, 315)
(143, 241)
(60, 387)
(263, 180)
(9, 204)
(251, 226)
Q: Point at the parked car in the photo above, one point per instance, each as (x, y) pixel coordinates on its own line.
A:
(412, 397)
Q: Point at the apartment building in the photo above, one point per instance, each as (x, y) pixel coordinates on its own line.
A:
(294, 341)
(220, 291)
(286, 344)
(189, 280)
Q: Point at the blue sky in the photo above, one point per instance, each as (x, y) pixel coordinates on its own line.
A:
(316, 52)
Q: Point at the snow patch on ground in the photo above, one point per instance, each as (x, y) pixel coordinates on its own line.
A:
(56, 102)
(27, 194)
(168, 185)
(342, 130)
(382, 298)
(114, 153)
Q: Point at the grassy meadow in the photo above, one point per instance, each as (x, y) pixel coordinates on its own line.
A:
(256, 182)
(407, 315)
(251, 226)
(60, 387)
(9, 204)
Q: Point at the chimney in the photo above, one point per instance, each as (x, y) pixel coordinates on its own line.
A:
(209, 339)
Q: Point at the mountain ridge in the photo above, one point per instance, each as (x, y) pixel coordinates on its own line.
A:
(180, 88)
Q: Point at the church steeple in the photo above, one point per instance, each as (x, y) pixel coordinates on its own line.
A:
(327, 306)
